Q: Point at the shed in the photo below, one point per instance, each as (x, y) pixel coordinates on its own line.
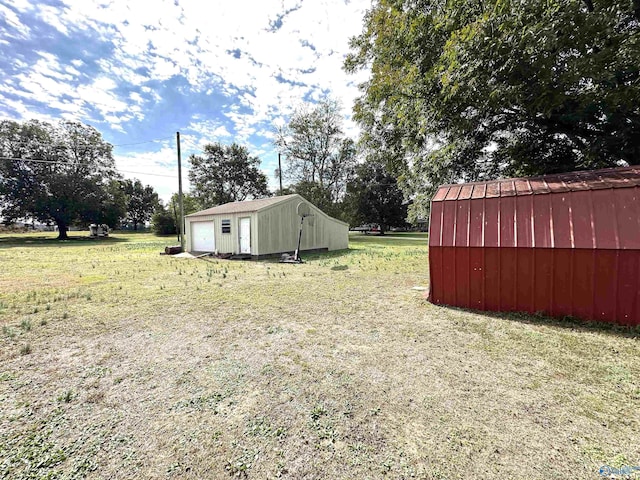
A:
(561, 245)
(264, 227)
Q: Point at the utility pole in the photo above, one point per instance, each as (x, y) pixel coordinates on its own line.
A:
(181, 227)
(280, 172)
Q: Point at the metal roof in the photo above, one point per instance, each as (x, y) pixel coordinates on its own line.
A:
(621, 177)
(242, 207)
(582, 210)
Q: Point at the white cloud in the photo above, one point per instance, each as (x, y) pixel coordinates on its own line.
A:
(51, 16)
(125, 74)
(201, 132)
(13, 21)
(162, 39)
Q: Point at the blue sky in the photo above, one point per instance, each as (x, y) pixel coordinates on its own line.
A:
(139, 71)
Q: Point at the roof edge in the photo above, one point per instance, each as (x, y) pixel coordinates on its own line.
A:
(275, 201)
(582, 180)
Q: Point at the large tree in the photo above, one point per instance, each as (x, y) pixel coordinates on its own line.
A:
(114, 204)
(226, 173)
(470, 90)
(316, 150)
(54, 172)
(141, 201)
(373, 196)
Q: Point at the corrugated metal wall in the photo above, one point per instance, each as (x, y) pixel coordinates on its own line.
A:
(278, 228)
(574, 252)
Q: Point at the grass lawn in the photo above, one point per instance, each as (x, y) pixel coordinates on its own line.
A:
(117, 362)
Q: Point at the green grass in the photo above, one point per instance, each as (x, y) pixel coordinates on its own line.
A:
(118, 362)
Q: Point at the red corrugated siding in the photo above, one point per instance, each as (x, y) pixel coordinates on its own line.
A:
(601, 219)
(562, 245)
(590, 284)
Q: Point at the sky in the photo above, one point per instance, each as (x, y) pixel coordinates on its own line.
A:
(140, 71)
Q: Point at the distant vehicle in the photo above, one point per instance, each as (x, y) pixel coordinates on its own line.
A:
(368, 228)
(101, 230)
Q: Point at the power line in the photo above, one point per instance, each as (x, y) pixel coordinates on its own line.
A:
(53, 162)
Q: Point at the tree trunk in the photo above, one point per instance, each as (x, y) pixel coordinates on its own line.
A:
(62, 230)
(135, 226)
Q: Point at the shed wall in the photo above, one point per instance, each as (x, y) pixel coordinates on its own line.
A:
(279, 225)
(571, 253)
(600, 285)
(592, 219)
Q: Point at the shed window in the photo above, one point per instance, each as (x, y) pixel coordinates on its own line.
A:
(226, 226)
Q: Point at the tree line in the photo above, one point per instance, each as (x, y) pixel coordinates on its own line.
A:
(64, 173)
(467, 92)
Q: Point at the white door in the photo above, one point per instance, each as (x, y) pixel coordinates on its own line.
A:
(202, 239)
(245, 235)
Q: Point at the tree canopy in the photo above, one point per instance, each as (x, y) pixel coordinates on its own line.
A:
(373, 196)
(467, 91)
(318, 156)
(56, 172)
(114, 204)
(142, 201)
(226, 173)
(163, 221)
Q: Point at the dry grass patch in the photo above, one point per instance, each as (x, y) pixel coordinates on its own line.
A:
(146, 366)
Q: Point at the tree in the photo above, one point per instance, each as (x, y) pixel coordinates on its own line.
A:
(113, 205)
(226, 173)
(54, 172)
(373, 196)
(467, 91)
(163, 221)
(316, 150)
(141, 201)
(318, 195)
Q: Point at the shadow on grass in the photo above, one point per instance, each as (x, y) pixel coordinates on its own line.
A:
(358, 243)
(567, 323)
(314, 256)
(349, 252)
(49, 241)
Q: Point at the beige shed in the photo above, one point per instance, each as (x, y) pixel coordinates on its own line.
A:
(264, 227)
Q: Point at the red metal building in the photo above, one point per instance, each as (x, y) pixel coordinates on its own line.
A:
(562, 245)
